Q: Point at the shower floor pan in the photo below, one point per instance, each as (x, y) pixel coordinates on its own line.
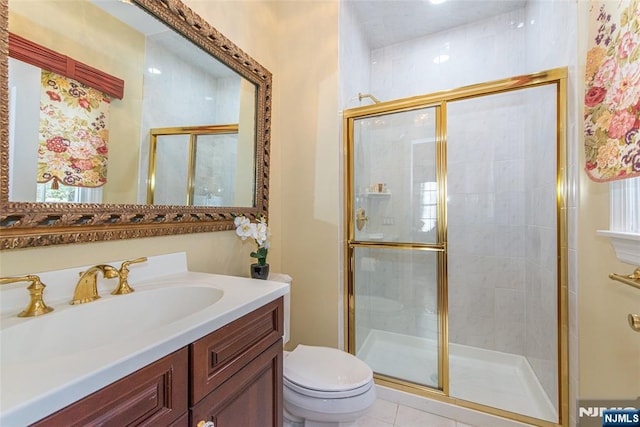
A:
(492, 378)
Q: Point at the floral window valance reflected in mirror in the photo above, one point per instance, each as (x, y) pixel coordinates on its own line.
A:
(73, 133)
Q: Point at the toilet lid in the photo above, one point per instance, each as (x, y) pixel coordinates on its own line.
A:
(325, 369)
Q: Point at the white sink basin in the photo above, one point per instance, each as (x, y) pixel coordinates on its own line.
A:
(73, 329)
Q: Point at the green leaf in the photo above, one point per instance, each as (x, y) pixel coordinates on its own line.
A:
(260, 255)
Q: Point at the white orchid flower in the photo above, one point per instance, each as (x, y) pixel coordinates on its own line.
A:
(261, 235)
(239, 220)
(258, 231)
(243, 227)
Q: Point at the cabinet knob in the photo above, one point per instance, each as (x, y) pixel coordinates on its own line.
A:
(204, 423)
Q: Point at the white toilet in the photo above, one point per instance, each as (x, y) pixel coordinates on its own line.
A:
(323, 387)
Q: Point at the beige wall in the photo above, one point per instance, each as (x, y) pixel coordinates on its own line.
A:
(306, 90)
(220, 252)
(609, 350)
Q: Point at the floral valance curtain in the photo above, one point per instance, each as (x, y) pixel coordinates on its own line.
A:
(612, 98)
(73, 133)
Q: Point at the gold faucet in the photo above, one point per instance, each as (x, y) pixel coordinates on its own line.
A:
(87, 287)
(123, 284)
(36, 305)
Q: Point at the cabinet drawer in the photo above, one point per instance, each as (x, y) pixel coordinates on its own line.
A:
(155, 395)
(219, 355)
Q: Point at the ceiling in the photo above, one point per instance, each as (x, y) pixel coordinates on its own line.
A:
(141, 21)
(386, 22)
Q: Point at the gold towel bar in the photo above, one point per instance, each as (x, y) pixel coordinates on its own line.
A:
(632, 280)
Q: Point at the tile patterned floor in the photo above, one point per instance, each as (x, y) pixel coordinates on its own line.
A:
(388, 414)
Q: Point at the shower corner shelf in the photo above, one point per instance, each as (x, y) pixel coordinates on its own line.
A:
(373, 194)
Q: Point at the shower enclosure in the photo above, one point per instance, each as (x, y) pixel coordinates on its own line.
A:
(455, 245)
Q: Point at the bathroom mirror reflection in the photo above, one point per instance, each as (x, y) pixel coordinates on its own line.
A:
(168, 82)
(176, 71)
(200, 166)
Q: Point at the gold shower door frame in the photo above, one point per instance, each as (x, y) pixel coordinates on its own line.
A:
(193, 132)
(439, 100)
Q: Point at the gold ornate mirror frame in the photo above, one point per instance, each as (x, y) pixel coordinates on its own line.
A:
(29, 224)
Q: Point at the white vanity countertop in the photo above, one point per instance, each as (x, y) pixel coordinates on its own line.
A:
(31, 390)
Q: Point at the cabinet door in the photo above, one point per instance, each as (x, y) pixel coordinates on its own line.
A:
(155, 395)
(251, 398)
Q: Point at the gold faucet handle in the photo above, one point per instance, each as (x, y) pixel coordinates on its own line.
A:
(123, 285)
(36, 305)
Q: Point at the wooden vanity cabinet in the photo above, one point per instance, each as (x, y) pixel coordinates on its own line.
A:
(236, 371)
(232, 376)
(155, 395)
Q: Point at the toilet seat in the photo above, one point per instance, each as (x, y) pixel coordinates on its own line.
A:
(327, 394)
(326, 373)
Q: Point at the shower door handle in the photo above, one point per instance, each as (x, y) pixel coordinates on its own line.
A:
(361, 218)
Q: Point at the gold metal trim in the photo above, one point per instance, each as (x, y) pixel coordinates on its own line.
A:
(399, 245)
(36, 306)
(196, 130)
(465, 92)
(193, 147)
(441, 229)
(87, 286)
(632, 279)
(349, 233)
(361, 96)
(123, 277)
(563, 250)
(151, 174)
(26, 224)
(439, 100)
(361, 218)
(634, 321)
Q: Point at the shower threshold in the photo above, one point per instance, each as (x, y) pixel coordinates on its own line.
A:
(492, 378)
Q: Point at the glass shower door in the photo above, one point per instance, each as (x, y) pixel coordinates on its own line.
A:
(502, 249)
(395, 243)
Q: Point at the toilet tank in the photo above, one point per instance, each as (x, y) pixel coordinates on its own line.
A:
(284, 278)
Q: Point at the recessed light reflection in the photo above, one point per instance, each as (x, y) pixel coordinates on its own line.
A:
(437, 1)
(153, 70)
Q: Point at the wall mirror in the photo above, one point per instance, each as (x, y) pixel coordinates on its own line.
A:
(178, 74)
